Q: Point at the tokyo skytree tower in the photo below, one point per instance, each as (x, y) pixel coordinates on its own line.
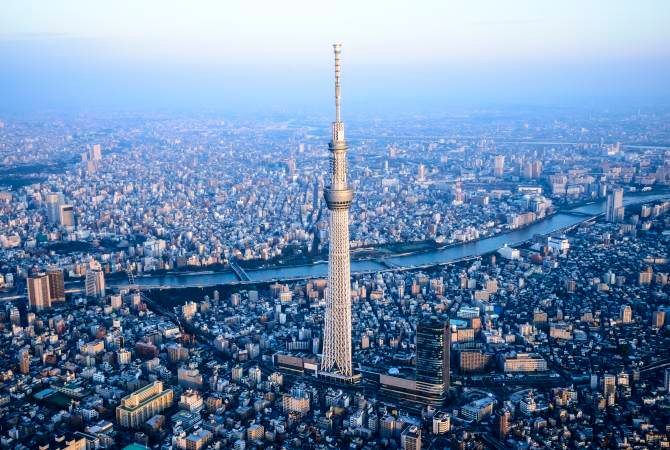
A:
(338, 195)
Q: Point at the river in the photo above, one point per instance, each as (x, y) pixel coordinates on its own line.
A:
(446, 255)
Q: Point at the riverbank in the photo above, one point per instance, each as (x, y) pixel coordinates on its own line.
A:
(439, 256)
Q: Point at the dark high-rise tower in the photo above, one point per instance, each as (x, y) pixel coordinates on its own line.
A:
(432, 359)
(56, 285)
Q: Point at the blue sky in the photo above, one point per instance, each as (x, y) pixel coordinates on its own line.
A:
(271, 55)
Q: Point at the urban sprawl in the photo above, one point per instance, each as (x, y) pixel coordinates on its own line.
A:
(559, 340)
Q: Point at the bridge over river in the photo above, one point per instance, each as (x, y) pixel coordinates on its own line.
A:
(556, 223)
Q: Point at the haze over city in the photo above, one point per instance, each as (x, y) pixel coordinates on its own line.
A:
(357, 225)
(265, 56)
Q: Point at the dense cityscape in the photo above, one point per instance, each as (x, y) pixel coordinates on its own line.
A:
(558, 341)
(491, 277)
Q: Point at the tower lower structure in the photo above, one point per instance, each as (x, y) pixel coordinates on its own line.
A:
(336, 362)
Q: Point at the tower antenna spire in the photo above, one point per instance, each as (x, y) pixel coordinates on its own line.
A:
(337, 49)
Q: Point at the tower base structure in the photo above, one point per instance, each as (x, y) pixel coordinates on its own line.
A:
(338, 378)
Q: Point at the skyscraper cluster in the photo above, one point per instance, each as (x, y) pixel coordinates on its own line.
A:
(92, 158)
(58, 212)
(45, 288)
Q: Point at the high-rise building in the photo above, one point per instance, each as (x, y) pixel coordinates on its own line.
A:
(91, 166)
(609, 384)
(430, 383)
(441, 422)
(14, 315)
(24, 360)
(138, 407)
(96, 152)
(532, 169)
(540, 318)
(291, 166)
(176, 352)
(338, 195)
(116, 301)
(255, 374)
(255, 432)
(658, 319)
(53, 203)
(614, 210)
(123, 357)
(503, 419)
(432, 359)
(297, 400)
(645, 277)
(411, 438)
(66, 215)
(421, 173)
(38, 292)
(459, 195)
(95, 283)
(626, 314)
(191, 401)
(498, 165)
(56, 285)
(666, 379)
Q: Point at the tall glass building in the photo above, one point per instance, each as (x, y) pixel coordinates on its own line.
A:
(432, 359)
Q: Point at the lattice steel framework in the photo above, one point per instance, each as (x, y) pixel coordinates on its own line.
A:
(338, 196)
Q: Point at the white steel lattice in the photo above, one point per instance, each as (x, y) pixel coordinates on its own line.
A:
(337, 328)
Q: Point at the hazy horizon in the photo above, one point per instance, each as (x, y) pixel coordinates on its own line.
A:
(277, 57)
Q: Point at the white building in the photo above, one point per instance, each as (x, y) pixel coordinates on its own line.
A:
(509, 253)
(95, 283)
(524, 362)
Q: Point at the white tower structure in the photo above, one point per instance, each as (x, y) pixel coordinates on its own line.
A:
(336, 361)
